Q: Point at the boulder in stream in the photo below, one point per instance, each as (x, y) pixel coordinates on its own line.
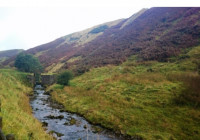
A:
(55, 117)
(58, 134)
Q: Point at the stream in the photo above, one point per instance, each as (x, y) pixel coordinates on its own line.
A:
(63, 125)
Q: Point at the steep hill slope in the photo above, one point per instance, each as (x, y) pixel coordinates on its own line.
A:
(154, 34)
(55, 54)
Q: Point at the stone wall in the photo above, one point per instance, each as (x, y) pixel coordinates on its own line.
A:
(48, 79)
(45, 79)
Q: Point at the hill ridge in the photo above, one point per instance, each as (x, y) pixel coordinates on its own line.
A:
(153, 34)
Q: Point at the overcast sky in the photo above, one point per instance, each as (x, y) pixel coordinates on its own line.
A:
(27, 23)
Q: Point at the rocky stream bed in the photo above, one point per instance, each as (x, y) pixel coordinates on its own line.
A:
(64, 125)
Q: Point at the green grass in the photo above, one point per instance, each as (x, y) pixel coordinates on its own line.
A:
(16, 110)
(139, 98)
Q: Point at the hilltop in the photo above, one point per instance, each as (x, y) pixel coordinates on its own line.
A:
(9, 53)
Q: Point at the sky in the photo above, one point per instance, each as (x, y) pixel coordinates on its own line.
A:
(28, 23)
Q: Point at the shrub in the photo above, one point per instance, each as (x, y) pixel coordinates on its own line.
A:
(64, 77)
(28, 63)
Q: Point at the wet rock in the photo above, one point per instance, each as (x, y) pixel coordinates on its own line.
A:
(85, 126)
(10, 137)
(43, 100)
(47, 93)
(96, 129)
(78, 123)
(67, 123)
(50, 117)
(55, 117)
(60, 117)
(72, 121)
(35, 92)
(62, 110)
(57, 133)
(44, 124)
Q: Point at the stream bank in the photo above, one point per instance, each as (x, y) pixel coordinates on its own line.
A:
(64, 125)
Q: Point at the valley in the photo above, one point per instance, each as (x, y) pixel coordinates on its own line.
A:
(136, 78)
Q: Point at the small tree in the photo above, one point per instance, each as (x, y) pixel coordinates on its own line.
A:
(28, 63)
(64, 77)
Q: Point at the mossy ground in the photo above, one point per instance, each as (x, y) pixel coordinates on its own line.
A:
(137, 98)
(15, 107)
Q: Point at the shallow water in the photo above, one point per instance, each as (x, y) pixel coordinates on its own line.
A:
(64, 125)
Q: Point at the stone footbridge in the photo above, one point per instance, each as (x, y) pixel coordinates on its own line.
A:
(43, 79)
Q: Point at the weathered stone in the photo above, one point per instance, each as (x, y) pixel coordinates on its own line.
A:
(72, 121)
(48, 79)
(44, 124)
(58, 134)
(10, 137)
(85, 126)
(47, 93)
(67, 123)
(2, 136)
(96, 129)
(45, 79)
(55, 117)
(62, 110)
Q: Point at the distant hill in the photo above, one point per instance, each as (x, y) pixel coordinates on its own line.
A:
(152, 34)
(9, 53)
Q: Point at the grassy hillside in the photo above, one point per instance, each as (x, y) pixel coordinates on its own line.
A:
(149, 99)
(15, 108)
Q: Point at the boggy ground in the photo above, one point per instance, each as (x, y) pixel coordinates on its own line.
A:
(150, 99)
